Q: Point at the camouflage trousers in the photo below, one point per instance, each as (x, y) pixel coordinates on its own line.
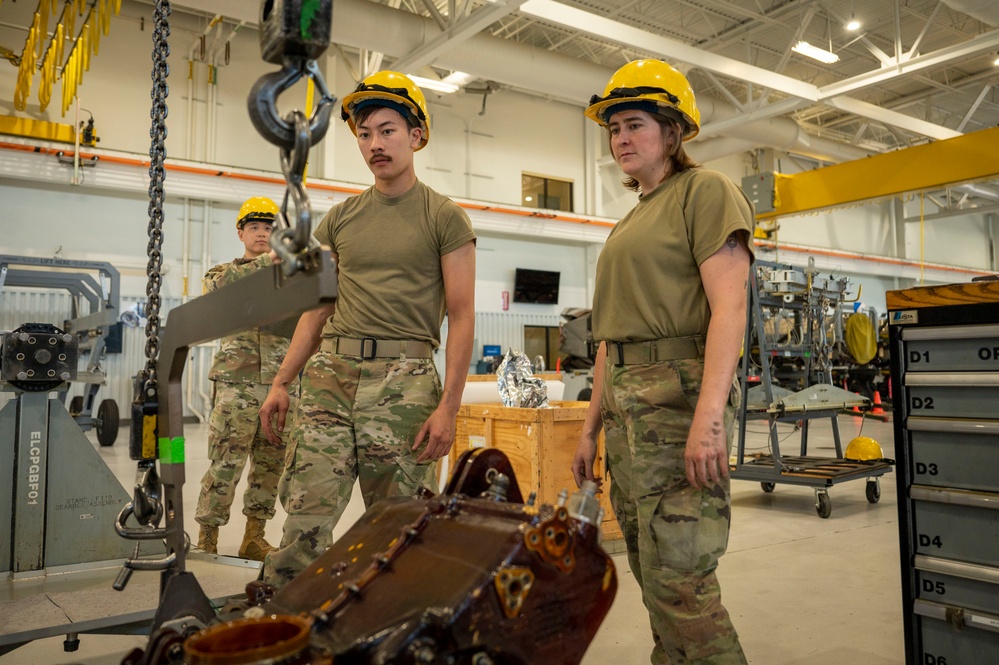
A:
(234, 436)
(674, 533)
(358, 419)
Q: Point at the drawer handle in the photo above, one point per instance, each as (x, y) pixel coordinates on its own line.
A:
(968, 571)
(950, 332)
(966, 426)
(954, 497)
(957, 617)
(971, 379)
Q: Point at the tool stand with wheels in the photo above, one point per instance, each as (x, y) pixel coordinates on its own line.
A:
(803, 299)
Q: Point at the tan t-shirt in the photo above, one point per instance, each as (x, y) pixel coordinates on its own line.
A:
(390, 249)
(648, 284)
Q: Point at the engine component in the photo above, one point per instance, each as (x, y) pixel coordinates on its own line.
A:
(452, 579)
(38, 357)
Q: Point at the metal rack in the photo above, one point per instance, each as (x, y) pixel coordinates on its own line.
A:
(97, 283)
(806, 302)
(945, 364)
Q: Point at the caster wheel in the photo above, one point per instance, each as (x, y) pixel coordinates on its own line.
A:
(768, 487)
(873, 491)
(823, 505)
(107, 423)
(76, 405)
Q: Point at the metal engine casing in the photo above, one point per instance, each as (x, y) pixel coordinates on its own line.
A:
(440, 580)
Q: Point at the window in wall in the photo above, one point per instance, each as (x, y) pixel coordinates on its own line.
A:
(544, 192)
(542, 341)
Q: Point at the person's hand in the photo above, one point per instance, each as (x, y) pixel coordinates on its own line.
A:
(276, 404)
(706, 455)
(582, 461)
(438, 431)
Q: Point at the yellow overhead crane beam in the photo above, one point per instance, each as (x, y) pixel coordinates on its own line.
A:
(963, 159)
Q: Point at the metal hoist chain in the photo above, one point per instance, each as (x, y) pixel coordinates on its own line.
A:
(157, 155)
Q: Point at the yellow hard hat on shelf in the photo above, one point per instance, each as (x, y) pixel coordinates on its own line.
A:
(863, 449)
(256, 209)
(392, 90)
(650, 85)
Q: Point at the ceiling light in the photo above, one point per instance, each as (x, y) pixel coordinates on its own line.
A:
(853, 25)
(996, 61)
(458, 78)
(816, 53)
(433, 84)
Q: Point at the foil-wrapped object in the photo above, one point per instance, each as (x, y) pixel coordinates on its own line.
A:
(517, 385)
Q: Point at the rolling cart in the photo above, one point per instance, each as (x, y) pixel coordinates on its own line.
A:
(794, 304)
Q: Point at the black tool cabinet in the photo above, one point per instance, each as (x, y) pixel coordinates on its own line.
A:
(945, 379)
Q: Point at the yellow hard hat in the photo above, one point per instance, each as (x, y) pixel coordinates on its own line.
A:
(863, 449)
(256, 209)
(652, 84)
(392, 90)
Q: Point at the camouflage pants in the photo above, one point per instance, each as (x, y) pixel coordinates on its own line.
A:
(674, 533)
(357, 419)
(234, 436)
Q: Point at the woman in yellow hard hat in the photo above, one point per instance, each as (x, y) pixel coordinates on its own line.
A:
(669, 309)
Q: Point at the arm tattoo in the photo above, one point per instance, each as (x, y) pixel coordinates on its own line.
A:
(732, 241)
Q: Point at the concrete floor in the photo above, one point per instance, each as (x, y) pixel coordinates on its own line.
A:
(799, 588)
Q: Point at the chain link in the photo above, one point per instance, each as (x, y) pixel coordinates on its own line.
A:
(157, 155)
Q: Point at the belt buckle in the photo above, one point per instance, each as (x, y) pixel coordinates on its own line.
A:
(374, 348)
(620, 353)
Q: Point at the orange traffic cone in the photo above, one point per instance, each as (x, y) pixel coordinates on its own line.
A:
(877, 410)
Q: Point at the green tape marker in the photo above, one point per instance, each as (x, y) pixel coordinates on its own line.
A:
(172, 450)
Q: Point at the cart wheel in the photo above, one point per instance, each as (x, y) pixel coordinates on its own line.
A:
(823, 505)
(873, 490)
(768, 487)
(76, 405)
(107, 422)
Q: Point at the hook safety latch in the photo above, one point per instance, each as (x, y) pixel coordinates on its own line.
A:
(262, 104)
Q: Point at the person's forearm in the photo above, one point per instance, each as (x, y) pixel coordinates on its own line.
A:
(593, 422)
(303, 344)
(458, 357)
(721, 357)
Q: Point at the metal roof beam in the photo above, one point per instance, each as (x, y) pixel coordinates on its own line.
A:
(889, 117)
(606, 28)
(988, 41)
(455, 34)
(833, 94)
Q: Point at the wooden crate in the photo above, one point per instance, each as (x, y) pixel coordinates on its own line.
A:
(540, 444)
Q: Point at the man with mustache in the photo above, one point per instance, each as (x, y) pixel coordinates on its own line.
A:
(372, 404)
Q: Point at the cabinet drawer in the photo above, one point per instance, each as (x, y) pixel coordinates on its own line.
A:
(952, 348)
(956, 524)
(963, 454)
(958, 584)
(975, 642)
(953, 395)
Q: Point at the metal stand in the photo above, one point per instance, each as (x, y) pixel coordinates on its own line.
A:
(779, 292)
(97, 283)
(60, 498)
